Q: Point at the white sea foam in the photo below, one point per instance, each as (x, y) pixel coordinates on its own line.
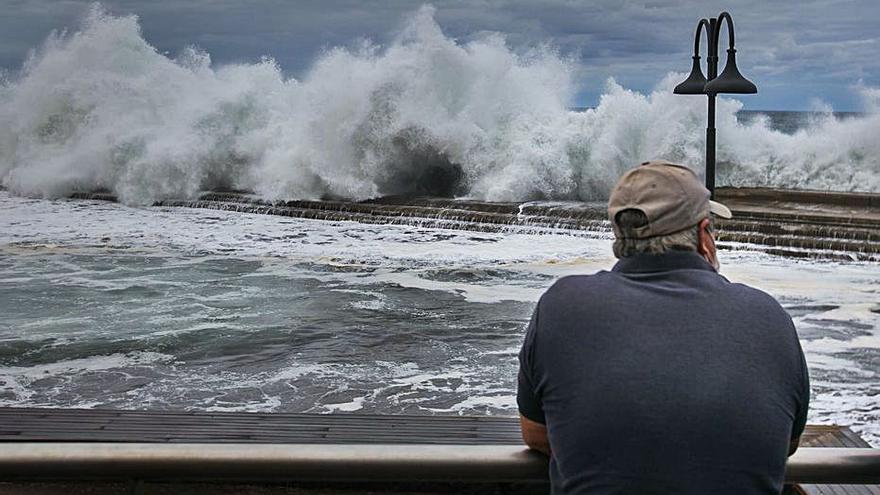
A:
(92, 363)
(16, 381)
(99, 107)
(503, 402)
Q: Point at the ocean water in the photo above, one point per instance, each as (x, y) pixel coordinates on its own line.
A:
(106, 305)
(791, 122)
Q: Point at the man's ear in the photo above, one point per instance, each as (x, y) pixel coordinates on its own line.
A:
(705, 241)
(706, 244)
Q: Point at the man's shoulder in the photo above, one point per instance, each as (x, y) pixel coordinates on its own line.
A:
(578, 285)
(569, 282)
(755, 297)
(757, 306)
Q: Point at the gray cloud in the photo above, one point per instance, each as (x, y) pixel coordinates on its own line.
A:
(796, 51)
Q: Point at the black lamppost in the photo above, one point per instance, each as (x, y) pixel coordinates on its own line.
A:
(730, 81)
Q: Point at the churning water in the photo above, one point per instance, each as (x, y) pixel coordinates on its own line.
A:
(169, 308)
(100, 108)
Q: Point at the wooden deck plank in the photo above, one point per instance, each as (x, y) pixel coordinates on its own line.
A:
(852, 439)
(830, 439)
(23, 424)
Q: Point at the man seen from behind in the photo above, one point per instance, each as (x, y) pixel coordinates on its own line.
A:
(661, 376)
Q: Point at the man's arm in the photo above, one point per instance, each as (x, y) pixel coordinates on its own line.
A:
(793, 446)
(800, 420)
(534, 434)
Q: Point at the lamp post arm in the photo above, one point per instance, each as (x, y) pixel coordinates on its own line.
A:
(724, 16)
(704, 23)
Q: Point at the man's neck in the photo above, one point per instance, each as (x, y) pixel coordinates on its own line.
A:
(670, 260)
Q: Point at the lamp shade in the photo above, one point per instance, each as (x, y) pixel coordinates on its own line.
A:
(730, 80)
(695, 83)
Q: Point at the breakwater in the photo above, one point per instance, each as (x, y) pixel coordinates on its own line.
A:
(844, 226)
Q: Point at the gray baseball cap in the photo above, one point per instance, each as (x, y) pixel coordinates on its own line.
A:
(670, 195)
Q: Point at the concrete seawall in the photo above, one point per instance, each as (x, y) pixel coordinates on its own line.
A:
(844, 226)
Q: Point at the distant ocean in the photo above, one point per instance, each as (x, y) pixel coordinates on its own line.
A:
(785, 121)
(790, 121)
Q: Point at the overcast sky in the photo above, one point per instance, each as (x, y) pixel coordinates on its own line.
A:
(796, 51)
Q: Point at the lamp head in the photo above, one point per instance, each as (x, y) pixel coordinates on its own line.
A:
(730, 80)
(695, 83)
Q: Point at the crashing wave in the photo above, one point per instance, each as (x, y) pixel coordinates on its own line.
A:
(100, 108)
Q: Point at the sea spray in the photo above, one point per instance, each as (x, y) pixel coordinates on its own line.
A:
(100, 108)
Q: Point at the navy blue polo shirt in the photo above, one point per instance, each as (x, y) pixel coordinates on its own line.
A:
(661, 376)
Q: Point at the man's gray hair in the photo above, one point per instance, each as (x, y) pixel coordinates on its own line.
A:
(629, 220)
